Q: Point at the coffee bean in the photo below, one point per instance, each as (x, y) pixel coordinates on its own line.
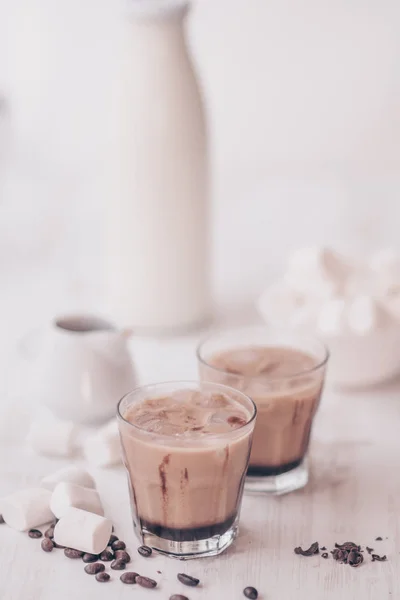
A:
(89, 558)
(250, 592)
(94, 568)
(1, 520)
(72, 553)
(35, 533)
(129, 577)
(122, 555)
(178, 597)
(188, 580)
(47, 545)
(113, 538)
(102, 577)
(145, 551)
(118, 545)
(107, 555)
(118, 565)
(49, 533)
(146, 582)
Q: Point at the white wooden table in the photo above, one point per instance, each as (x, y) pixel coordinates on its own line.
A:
(354, 494)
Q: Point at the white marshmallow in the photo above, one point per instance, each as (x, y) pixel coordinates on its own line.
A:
(83, 531)
(69, 474)
(331, 318)
(103, 449)
(386, 260)
(317, 271)
(67, 495)
(365, 315)
(27, 508)
(50, 436)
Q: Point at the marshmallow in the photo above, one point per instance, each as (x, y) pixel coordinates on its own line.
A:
(71, 475)
(331, 318)
(83, 531)
(51, 436)
(365, 315)
(27, 508)
(386, 261)
(67, 495)
(318, 271)
(103, 449)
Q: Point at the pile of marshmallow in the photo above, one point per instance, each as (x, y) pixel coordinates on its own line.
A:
(333, 295)
(51, 436)
(68, 495)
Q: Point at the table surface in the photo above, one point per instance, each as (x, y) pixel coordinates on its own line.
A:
(353, 494)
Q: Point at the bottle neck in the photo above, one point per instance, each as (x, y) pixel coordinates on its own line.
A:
(156, 10)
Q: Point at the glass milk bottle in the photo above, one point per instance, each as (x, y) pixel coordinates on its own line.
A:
(157, 221)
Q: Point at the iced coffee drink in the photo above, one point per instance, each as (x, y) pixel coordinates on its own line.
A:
(284, 375)
(186, 448)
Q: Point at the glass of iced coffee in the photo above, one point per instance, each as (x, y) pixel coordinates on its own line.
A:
(186, 447)
(284, 374)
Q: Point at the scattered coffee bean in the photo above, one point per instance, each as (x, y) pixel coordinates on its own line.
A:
(188, 580)
(378, 558)
(355, 558)
(145, 551)
(90, 558)
(107, 555)
(118, 565)
(72, 553)
(35, 533)
(378, 539)
(113, 538)
(102, 577)
(369, 550)
(118, 545)
(178, 597)
(250, 592)
(1, 520)
(49, 533)
(325, 555)
(146, 582)
(313, 549)
(47, 544)
(122, 555)
(129, 577)
(94, 568)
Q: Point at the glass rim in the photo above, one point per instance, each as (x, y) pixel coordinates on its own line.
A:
(223, 388)
(320, 364)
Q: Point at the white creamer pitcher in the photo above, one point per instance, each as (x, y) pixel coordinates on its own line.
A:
(82, 369)
(157, 184)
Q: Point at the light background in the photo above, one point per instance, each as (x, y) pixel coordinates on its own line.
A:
(303, 102)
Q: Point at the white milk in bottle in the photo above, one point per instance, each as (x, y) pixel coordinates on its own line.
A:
(157, 221)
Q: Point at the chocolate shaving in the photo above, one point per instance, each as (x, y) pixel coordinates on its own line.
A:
(322, 548)
(324, 554)
(313, 549)
(340, 555)
(378, 539)
(376, 557)
(355, 558)
(348, 546)
(369, 550)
